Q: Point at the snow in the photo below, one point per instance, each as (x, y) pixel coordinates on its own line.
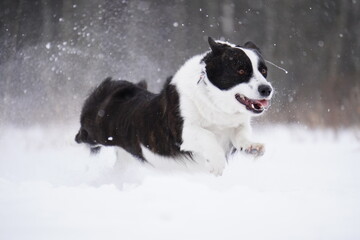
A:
(307, 186)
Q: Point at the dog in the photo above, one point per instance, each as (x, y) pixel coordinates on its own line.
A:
(202, 113)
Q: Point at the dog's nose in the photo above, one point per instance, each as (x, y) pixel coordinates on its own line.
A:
(264, 90)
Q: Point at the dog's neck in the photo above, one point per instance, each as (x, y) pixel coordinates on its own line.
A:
(202, 77)
(193, 84)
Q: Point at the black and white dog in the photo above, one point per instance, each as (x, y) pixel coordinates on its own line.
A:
(202, 113)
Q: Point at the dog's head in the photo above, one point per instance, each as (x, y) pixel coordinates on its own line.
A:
(237, 76)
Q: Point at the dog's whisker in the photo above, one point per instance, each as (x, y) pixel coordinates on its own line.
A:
(286, 72)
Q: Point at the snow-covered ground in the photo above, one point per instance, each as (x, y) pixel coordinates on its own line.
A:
(307, 186)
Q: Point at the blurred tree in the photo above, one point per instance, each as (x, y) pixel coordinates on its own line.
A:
(53, 51)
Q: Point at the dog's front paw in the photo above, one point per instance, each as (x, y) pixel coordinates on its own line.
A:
(215, 167)
(256, 149)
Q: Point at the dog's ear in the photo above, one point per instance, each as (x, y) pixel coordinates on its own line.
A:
(215, 47)
(252, 45)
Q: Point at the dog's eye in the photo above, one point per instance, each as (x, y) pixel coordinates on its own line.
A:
(241, 71)
(263, 71)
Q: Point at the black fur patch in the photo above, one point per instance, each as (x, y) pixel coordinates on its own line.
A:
(224, 63)
(120, 113)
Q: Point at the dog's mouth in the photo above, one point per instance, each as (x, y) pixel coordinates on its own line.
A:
(255, 106)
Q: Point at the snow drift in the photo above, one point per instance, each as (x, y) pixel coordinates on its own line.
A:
(307, 186)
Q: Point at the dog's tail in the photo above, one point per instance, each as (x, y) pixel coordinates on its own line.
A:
(83, 137)
(142, 84)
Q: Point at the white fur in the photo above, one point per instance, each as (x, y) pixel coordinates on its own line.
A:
(213, 119)
(257, 79)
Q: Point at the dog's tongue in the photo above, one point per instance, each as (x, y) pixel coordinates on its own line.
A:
(264, 103)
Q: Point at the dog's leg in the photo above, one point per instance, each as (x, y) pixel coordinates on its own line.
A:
(241, 140)
(122, 159)
(203, 142)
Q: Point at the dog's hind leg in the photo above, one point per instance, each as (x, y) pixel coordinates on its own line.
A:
(123, 159)
(127, 169)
